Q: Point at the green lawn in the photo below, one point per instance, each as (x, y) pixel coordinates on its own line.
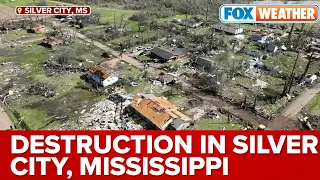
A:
(19, 36)
(34, 118)
(216, 124)
(19, 2)
(314, 105)
(22, 2)
(30, 58)
(286, 62)
(108, 15)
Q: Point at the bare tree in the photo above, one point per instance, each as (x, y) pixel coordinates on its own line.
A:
(311, 59)
(207, 9)
(289, 82)
(290, 34)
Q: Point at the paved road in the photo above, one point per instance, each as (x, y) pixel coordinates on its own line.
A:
(5, 121)
(296, 106)
(293, 109)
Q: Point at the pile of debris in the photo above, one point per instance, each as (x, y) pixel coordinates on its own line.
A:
(109, 115)
(42, 89)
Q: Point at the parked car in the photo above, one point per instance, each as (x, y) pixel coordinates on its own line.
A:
(140, 48)
(149, 48)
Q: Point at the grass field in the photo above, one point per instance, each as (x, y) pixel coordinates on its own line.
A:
(314, 105)
(17, 36)
(108, 15)
(220, 123)
(23, 3)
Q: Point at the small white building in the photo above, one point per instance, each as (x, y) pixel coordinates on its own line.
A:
(228, 28)
(100, 76)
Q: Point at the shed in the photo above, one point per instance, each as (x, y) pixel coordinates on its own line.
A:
(203, 64)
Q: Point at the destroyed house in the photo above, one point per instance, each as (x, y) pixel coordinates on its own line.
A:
(271, 48)
(315, 48)
(259, 37)
(203, 64)
(50, 43)
(159, 113)
(228, 28)
(165, 55)
(252, 53)
(38, 29)
(101, 76)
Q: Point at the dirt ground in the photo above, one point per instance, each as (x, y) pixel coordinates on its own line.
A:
(7, 13)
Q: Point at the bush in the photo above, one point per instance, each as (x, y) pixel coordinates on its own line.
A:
(42, 89)
(105, 54)
(83, 85)
(65, 56)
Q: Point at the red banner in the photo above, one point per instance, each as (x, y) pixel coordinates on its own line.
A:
(53, 10)
(97, 155)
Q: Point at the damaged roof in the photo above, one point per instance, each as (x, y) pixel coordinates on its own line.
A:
(167, 54)
(100, 71)
(158, 110)
(162, 53)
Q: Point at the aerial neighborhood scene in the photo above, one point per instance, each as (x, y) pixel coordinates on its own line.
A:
(155, 65)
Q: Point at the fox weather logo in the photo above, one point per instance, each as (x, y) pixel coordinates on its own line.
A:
(285, 13)
(237, 13)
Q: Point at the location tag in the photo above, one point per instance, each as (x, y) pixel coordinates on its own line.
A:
(19, 10)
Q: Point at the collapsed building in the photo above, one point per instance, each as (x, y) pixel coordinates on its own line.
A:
(51, 42)
(203, 64)
(164, 55)
(38, 29)
(109, 115)
(158, 112)
(315, 48)
(99, 75)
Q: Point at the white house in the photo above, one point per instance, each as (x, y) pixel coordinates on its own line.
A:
(100, 76)
(228, 28)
